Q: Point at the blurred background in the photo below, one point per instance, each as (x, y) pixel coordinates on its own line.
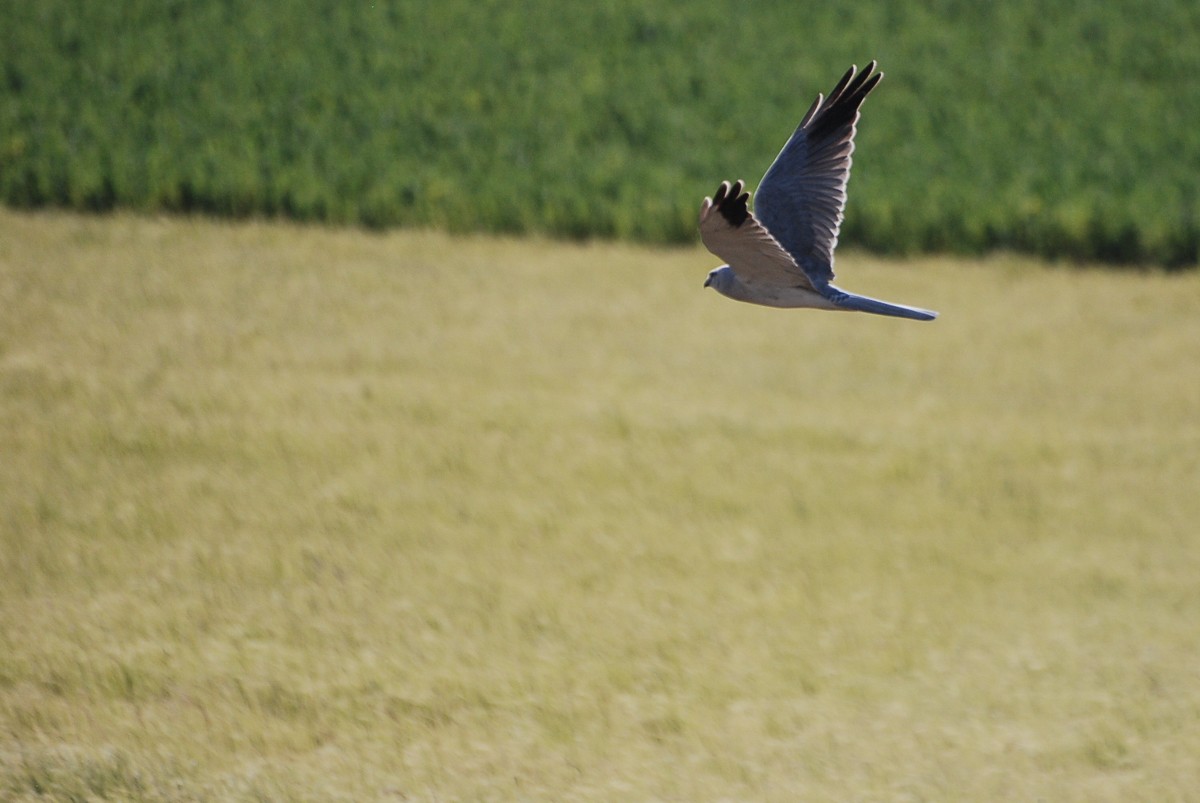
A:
(1062, 129)
(339, 504)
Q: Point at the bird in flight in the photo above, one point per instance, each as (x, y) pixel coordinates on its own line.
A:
(781, 254)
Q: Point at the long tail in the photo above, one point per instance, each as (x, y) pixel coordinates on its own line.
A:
(851, 301)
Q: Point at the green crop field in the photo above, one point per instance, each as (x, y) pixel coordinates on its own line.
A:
(1059, 128)
(292, 513)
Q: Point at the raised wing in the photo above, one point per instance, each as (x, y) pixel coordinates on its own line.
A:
(802, 197)
(730, 231)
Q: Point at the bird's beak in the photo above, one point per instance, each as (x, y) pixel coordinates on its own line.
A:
(707, 281)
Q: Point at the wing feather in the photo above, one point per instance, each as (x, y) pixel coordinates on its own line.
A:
(802, 198)
(730, 231)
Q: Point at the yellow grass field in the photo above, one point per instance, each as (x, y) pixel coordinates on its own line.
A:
(305, 514)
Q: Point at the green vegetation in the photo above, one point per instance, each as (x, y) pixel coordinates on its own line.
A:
(1064, 129)
(289, 513)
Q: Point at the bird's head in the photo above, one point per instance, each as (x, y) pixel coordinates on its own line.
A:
(719, 278)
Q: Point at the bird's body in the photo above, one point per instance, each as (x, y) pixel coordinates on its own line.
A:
(781, 255)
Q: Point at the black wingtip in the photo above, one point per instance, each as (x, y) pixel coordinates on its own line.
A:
(732, 202)
(844, 101)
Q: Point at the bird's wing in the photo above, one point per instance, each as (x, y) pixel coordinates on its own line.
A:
(802, 197)
(730, 231)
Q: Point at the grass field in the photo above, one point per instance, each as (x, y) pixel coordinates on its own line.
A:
(302, 514)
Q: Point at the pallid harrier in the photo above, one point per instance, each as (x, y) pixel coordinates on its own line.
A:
(781, 254)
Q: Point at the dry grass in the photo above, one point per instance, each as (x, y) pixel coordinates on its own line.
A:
(297, 514)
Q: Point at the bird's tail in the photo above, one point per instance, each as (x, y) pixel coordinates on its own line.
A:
(850, 301)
